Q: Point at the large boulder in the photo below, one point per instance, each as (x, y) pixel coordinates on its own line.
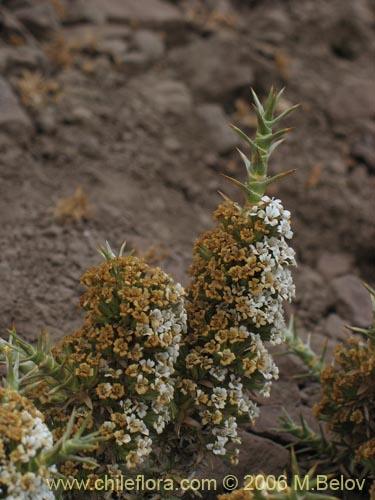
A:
(215, 68)
(214, 122)
(353, 301)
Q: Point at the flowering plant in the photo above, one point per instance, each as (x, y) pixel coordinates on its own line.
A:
(28, 454)
(240, 277)
(118, 367)
(347, 406)
(25, 440)
(348, 399)
(164, 377)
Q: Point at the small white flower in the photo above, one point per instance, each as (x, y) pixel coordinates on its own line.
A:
(218, 447)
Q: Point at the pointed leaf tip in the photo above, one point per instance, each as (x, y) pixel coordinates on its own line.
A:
(224, 196)
(241, 134)
(246, 160)
(280, 176)
(239, 184)
(257, 101)
(280, 93)
(285, 113)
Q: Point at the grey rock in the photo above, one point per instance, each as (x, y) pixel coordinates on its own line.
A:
(40, 19)
(13, 118)
(150, 44)
(274, 24)
(353, 301)
(358, 178)
(90, 147)
(73, 112)
(321, 343)
(310, 395)
(334, 327)
(360, 12)
(12, 29)
(73, 80)
(332, 265)
(85, 11)
(167, 96)
(269, 420)
(102, 68)
(13, 60)
(348, 39)
(352, 103)
(289, 366)
(313, 296)
(363, 146)
(58, 259)
(261, 455)
(46, 121)
(114, 31)
(172, 144)
(93, 36)
(81, 115)
(115, 48)
(347, 31)
(134, 60)
(142, 12)
(281, 392)
(268, 424)
(214, 68)
(215, 126)
(257, 455)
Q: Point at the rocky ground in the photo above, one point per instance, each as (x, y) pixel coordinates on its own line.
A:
(124, 105)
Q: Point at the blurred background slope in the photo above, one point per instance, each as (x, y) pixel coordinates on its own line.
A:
(113, 125)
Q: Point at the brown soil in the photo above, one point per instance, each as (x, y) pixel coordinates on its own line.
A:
(129, 101)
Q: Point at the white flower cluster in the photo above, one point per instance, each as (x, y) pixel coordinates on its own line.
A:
(36, 437)
(24, 439)
(226, 432)
(265, 365)
(223, 434)
(273, 214)
(274, 252)
(133, 425)
(276, 256)
(252, 306)
(25, 485)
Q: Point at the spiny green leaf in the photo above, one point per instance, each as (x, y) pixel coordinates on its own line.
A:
(280, 176)
(246, 161)
(257, 101)
(284, 114)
